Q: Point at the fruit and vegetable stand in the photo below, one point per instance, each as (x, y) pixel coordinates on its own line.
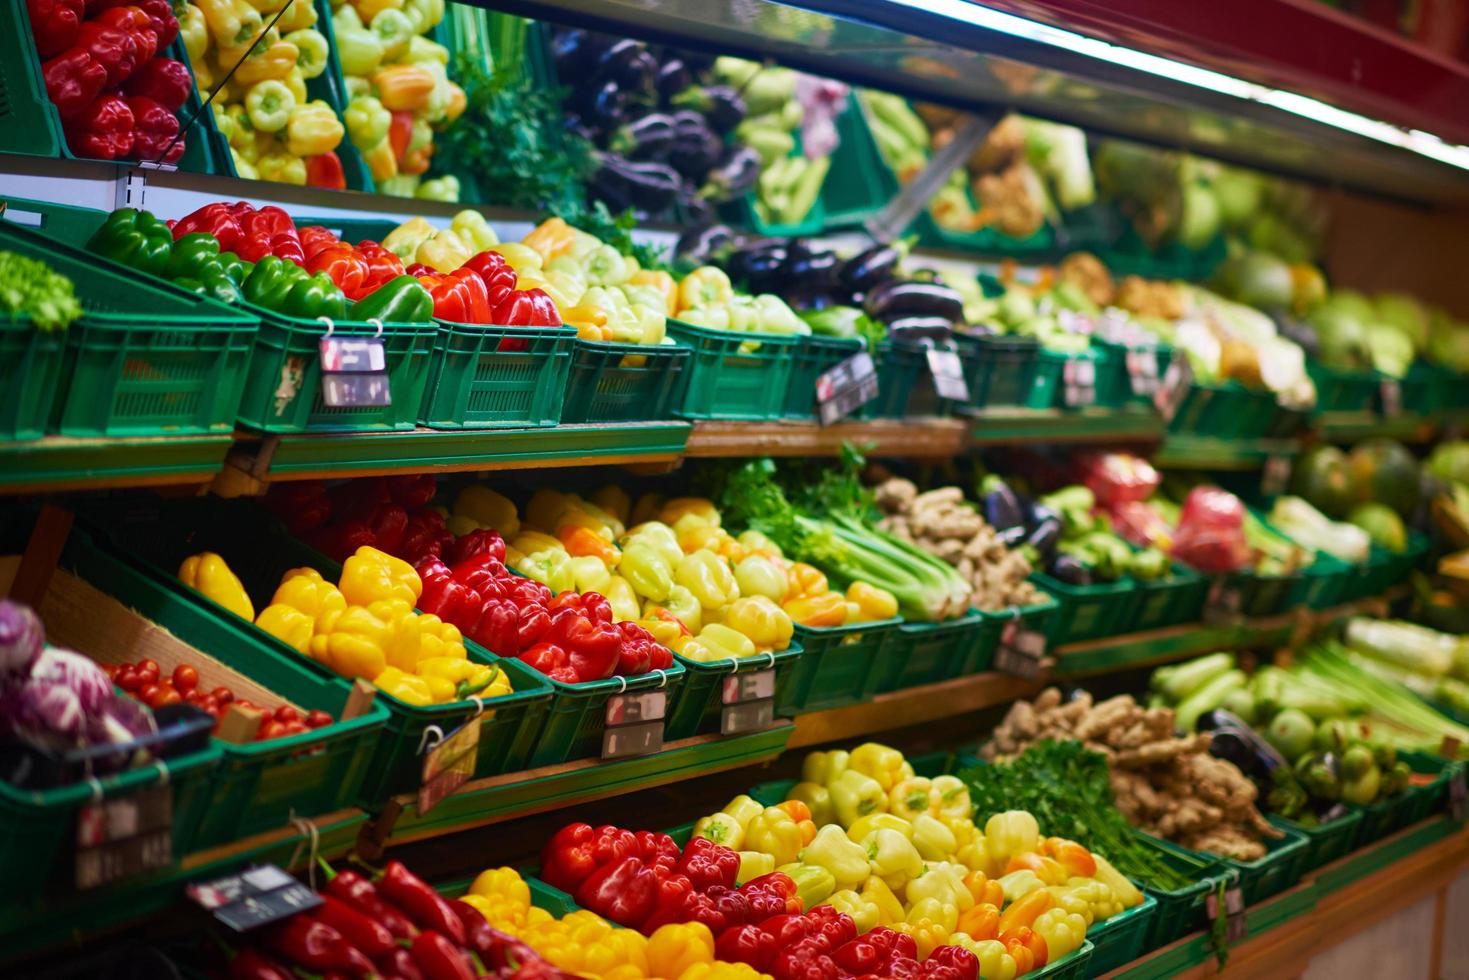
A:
(678, 491)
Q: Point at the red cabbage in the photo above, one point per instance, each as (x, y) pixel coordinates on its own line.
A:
(21, 638)
(81, 674)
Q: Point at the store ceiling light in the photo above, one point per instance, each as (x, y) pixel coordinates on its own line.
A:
(1413, 140)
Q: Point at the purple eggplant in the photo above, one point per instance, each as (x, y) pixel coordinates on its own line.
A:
(648, 137)
(720, 104)
(734, 174)
(1002, 507)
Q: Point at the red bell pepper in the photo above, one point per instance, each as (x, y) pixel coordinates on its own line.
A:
(249, 963)
(903, 968)
(74, 80)
(440, 958)
(314, 238)
(216, 219)
(543, 310)
(707, 863)
(269, 219)
(103, 130)
(341, 539)
(400, 132)
(459, 296)
(325, 170)
(110, 47)
(161, 17)
(837, 928)
(747, 944)
(425, 536)
(515, 310)
(499, 278)
(788, 929)
(625, 891)
(305, 941)
(417, 269)
(302, 505)
(499, 627)
(591, 647)
(451, 601)
(413, 490)
(673, 892)
(363, 896)
(382, 265)
(640, 652)
(480, 541)
(892, 944)
(155, 129)
(578, 849)
(55, 24)
(163, 80)
(657, 850)
(417, 899)
(285, 245)
(774, 890)
(342, 263)
(957, 958)
(858, 957)
(805, 960)
(137, 28)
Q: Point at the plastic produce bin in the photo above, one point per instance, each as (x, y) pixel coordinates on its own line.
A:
(836, 665)
(812, 357)
(1325, 842)
(696, 706)
(1122, 938)
(733, 375)
(1168, 601)
(1089, 612)
(926, 653)
(496, 377)
(1004, 370)
(623, 382)
(1183, 910)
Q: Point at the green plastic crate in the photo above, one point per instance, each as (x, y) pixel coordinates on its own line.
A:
(1387, 817)
(1432, 796)
(1325, 842)
(694, 708)
(1089, 612)
(1423, 391)
(1042, 616)
(1320, 583)
(1075, 965)
(1174, 599)
(1259, 595)
(283, 387)
(1226, 410)
(67, 222)
(836, 666)
(859, 184)
(905, 386)
(259, 551)
(810, 358)
(733, 375)
(1401, 564)
(146, 359)
(258, 786)
(1281, 867)
(1344, 391)
(30, 372)
(623, 382)
(1115, 382)
(1122, 938)
(1004, 370)
(1048, 385)
(1183, 910)
(926, 653)
(577, 717)
(484, 377)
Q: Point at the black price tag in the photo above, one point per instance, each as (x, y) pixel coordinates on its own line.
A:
(1391, 396)
(1078, 383)
(119, 838)
(354, 372)
(749, 702)
(1022, 651)
(1174, 386)
(1222, 603)
(846, 387)
(1236, 929)
(748, 687)
(1276, 475)
(634, 724)
(948, 374)
(253, 897)
(1142, 372)
(1458, 796)
(449, 765)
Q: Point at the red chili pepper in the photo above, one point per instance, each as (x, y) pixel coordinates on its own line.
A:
(54, 24)
(371, 937)
(325, 170)
(543, 311)
(163, 80)
(398, 964)
(363, 896)
(747, 944)
(419, 901)
(439, 957)
(154, 130)
(249, 963)
(73, 80)
(624, 891)
(479, 937)
(707, 863)
(103, 130)
(342, 263)
(304, 940)
(216, 219)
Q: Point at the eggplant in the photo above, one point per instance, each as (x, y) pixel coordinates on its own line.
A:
(693, 207)
(866, 270)
(628, 63)
(604, 108)
(915, 325)
(701, 244)
(673, 77)
(697, 62)
(1002, 508)
(721, 105)
(905, 298)
(647, 137)
(695, 148)
(759, 267)
(574, 52)
(1044, 536)
(812, 269)
(1070, 570)
(646, 186)
(735, 173)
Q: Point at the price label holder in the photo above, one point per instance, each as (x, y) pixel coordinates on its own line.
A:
(843, 389)
(635, 721)
(1236, 929)
(252, 898)
(1173, 386)
(1222, 604)
(948, 374)
(749, 701)
(1022, 651)
(448, 760)
(1078, 382)
(1390, 394)
(123, 837)
(1142, 371)
(354, 370)
(1275, 476)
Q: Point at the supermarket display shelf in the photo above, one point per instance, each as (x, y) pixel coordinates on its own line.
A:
(922, 437)
(910, 706)
(69, 463)
(30, 926)
(1205, 452)
(996, 426)
(1348, 427)
(1323, 911)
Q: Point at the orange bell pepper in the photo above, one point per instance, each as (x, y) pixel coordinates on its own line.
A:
(404, 86)
(552, 238)
(1075, 858)
(805, 580)
(801, 814)
(984, 889)
(1024, 912)
(1048, 870)
(981, 921)
(822, 609)
(580, 541)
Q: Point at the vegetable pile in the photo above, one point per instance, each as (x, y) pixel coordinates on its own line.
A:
(1164, 784)
(144, 681)
(32, 290)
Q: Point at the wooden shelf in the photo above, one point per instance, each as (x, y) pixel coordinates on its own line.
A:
(57, 463)
(928, 438)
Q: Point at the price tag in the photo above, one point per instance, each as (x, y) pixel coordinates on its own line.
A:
(1078, 383)
(354, 372)
(1236, 929)
(628, 709)
(948, 374)
(748, 686)
(634, 724)
(846, 387)
(119, 838)
(1275, 476)
(747, 716)
(1142, 371)
(253, 897)
(1173, 387)
(449, 765)
(1022, 651)
(1222, 603)
(1391, 396)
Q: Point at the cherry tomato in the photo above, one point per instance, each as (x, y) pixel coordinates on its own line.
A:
(223, 695)
(148, 694)
(185, 678)
(127, 678)
(286, 714)
(110, 670)
(194, 697)
(166, 696)
(269, 729)
(318, 719)
(149, 667)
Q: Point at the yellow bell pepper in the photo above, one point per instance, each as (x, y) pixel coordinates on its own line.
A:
(403, 87)
(823, 609)
(282, 168)
(911, 797)
(295, 81)
(1010, 833)
(721, 828)
(313, 129)
(298, 17)
(889, 909)
(551, 238)
(805, 580)
(855, 795)
(872, 602)
(289, 625)
(489, 509)
(882, 763)
(195, 34)
(663, 283)
(274, 61)
(354, 643)
(381, 162)
(473, 230)
(950, 798)
(863, 826)
(700, 509)
(674, 948)
(941, 881)
(925, 932)
(716, 642)
(522, 258)
(892, 857)
(207, 574)
(753, 864)
(370, 575)
(757, 575)
(706, 286)
(505, 882)
(833, 850)
(1063, 932)
(439, 639)
(976, 855)
(445, 251)
(1020, 884)
(863, 912)
(622, 599)
(403, 241)
(822, 768)
(464, 677)
(709, 578)
(760, 619)
(934, 840)
(720, 970)
(404, 686)
(773, 832)
(231, 22)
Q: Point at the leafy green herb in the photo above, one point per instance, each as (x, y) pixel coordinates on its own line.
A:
(33, 289)
(614, 230)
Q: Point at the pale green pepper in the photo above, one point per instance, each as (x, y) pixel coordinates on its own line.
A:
(943, 882)
(950, 797)
(425, 15)
(863, 826)
(934, 841)
(710, 317)
(817, 799)
(892, 857)
(393, 30)
(473, 230)
(717, 642)
(822, 768)
(269, 104)
(421, 50)
(590, 574)
(708, 577)
(622, 599)
(759, 576)
(864, 913)
(360, 50)
(911, 797)
(1018, 884)
(942, 914)
(721, 828)
(680, 604)
(647, 572)
(833, 850)
(444, 189)
(367, 121)
(604, 266)
(659, 537)
(814, 884)
(854, 795)
(311, 51)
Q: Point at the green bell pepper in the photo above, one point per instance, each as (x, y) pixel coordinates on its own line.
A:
(136, 239)
(218, 284)
(315, 296)
(400, 300)
(235, 267)
(191, 255)
(269, 283)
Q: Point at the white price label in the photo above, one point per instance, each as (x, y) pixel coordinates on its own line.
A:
(620, 741)
(1223, 602)
(748, 686)
(123, 837)
(846, 387)
(253, 897)
(948, 374)
(1391, 396)
(627, 709)
(354, 372)
(1022, 651)
(1078, 383)
(1174, 386)
(746, 716)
